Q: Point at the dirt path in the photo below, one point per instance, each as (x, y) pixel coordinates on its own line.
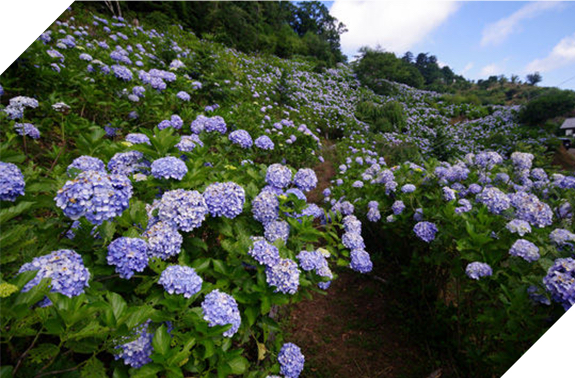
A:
(355, 331)
(324, 172)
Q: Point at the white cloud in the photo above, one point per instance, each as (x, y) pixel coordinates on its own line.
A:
(563, 54)
(497, 32)
(490, 70)
(466, 69)
(393, 25)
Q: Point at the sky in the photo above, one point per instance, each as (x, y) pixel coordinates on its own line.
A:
(476, 39)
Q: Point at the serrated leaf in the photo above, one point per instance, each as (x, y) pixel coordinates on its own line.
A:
(161, 341)
(13, 211)
(239, 364)
(43, 352)
(94, 368)
(118, 304)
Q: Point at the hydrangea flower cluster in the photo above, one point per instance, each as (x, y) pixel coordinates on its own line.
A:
(175, 121)
(129, 255)
(351, 224)
(169, 168)
(15, 109)
(265, 207)
(562, 237)
(86, 163)
(264, 252)
(184, 209)
(66, 270)
(353, 240)
(137, 353)
(221, 309)
(181, 280)
(284, 276)
(278, 176)
(198, 124)
(518, 226)
(360, 261)
(464, 206)
(398, 207)
(291, 360)
(305, 179)
(425, 231)
(126, 163)
(522, 161)
(225, 199)
(164, 241)
(495, 200)
(122, 72)
(525, 249)
(187, 143)
(215, 123)
(373, 214)
(27, 129)
(242, 138)
(184, 96)
(277, 229)
(95, 195)
(529, 208)
(138, 138)
(316, 261)
(264, 142)
(477, 270)
(11, 182)
(560, 282)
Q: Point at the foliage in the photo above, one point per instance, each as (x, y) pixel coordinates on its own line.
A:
(549, 104)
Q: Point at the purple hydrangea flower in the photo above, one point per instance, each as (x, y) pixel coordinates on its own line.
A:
(560, 282)
(284, 276)
(169, 168)
(242, 138)
(495, 200)
(398, 207)
(278, 175)
(265, 207)
(225, 199)
(518, 226)
(529, 208)
(425, 231)
(86, 163)
(122, 72)
(181, 280)
(137, 353)
(221, 309)
(305, 179)
(129, 255)
(562, 237)
(525, 249)
(95, 195)
(185, 209)
(137, 138)
(277, 229)
(66, 270)
(408, 188)
(264, 143)
(184, 96)
(360, 261)
(187, 143)
(198, 124)
(465, 206)
(164, 240)
(264, 252)
(215, 123)
(351, 224)
(126, 163)
(477, 270)
(291, 360)
(352, 240)
(11, 182)
(27, 129)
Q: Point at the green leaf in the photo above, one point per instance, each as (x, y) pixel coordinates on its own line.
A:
(161, 341)
(146, 371)
(43, 352)
(238, 365)
(118, 304)
(13, 211)
(6, 371)
(94, 368)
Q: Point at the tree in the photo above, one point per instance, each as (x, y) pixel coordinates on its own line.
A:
(552, 103)
(533, 78)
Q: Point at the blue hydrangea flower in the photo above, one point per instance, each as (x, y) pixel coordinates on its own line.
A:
(353, 240)
(11, 182)
(181, 280)
(221, 309)
(305, 179)
(66, 270)
(187, 143)
(525, 249)
(27, 129)
(126, 163)
(169, 168)
(448, 194)
(225, 199)
(529, 208)
(185, 209)
(560, 282)
(291, 360)
(138, 138)
(278, 175)
(315, 260)
(425, 231)
(465, 206)
(164, 240)
(418, 215)
(86, 163)
(137, 352)
(562, 237)
(264, 142)
(345, 208)
(495, 200)
(351, 224)
(312, 210)
(277, 229)
(522, 161)
(198, 124)
(265, 207)
(518, 226)
(184, 96)
(408, 188)
(284, 276)
(129, 255)
(122, 72)
(398, 207)
(139, 91)
(488, 160)
(95, 195)
(477, 270)
(264, 252)
(242, 138)
(373, 214)
(360, 261)
(215, 123)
